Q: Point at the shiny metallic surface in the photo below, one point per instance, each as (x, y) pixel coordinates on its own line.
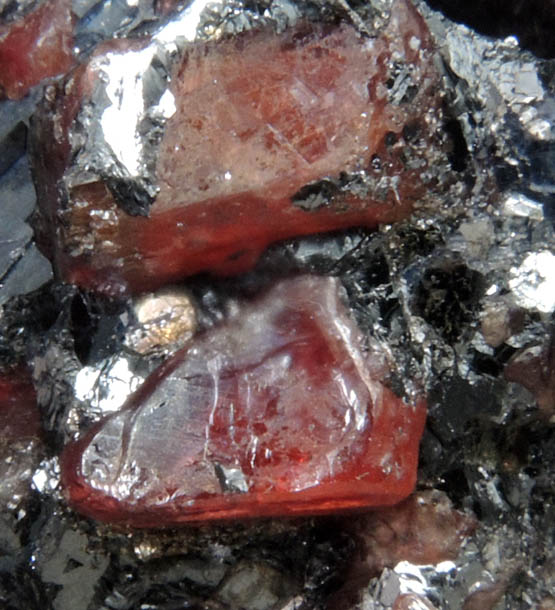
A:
(116, 135)
(164, 321)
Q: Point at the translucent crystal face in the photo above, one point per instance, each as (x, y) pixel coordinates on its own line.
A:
(277, 410)
(35, 47)
(234, 144)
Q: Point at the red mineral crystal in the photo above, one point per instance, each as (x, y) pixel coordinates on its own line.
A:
(260, 119)
(411, 601)
(486, 597)
(534, 368)
(279, 412)
(19, 416)
(20, 428)
(37, 46)
(424, 529)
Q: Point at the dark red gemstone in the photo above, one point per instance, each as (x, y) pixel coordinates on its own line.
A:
(279, 412)
(19, 415)
(37, 46)
(20, 431)
(533, 367)
(259, 119)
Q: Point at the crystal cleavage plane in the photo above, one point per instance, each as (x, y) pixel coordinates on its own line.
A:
(158, 159)
(280, 411)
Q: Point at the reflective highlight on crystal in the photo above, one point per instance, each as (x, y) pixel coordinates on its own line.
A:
(265, 136)
(275, 413)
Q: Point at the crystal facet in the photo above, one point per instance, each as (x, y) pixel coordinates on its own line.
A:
(268, 136)
(19, 416)
(278, 412)
(37, 46)
(20, 433)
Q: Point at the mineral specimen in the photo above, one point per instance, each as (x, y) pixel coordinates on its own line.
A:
(151, 168)
(485, 597)
(164, 319)
(19, 416)
(278, 412)
(19, 437)
(495, 457)
(534, 368)
(424, 529)
(35, 47)
(412, 602)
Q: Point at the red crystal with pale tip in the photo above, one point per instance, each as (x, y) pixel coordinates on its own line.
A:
(279, 412)
(258, 117)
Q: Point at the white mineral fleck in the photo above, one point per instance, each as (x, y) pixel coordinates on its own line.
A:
(411, 578)
(107, 385)
(533, 282)
(517, 204)
(186, 26)
(46, 477)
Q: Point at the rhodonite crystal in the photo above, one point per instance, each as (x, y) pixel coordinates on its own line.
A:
(257, 138)
(37, 46)
(278, 412)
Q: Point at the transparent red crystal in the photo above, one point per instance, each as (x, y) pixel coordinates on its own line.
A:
(19, 415)
(20, 432)
(534, 368)
(278, 412)
(37, 46)
(259, 117)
